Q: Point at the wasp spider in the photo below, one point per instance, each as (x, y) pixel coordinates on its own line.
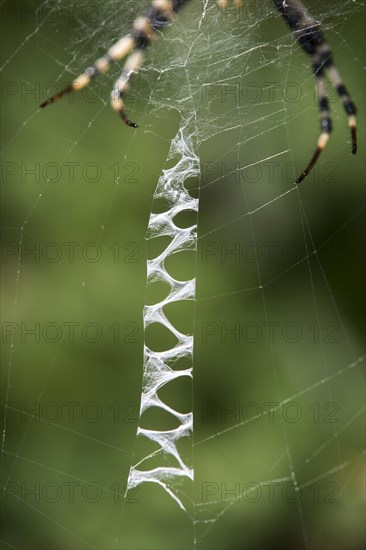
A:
(304, 27)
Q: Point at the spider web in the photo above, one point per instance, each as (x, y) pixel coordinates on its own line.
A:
(227, 111)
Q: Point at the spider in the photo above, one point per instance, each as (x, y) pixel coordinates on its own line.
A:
(306, 31)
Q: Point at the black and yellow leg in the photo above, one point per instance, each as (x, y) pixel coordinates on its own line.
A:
(133, 45)
(306, 30)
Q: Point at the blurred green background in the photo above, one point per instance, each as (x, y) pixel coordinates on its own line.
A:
(279, 316)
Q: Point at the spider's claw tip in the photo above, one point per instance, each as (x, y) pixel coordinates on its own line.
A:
(57, 97)
(126, 120)
(301, 178)
(322, 141)
(129, 122)
(354, 140)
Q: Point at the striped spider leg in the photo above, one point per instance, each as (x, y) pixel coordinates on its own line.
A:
(304, 27)
(307, 31)
(132, 45)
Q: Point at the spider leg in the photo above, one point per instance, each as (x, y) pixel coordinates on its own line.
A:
(132, 45)
(132, 65)
(144, 32)
(306, 30)
(325, 120)
(119, 50)
(348, 104)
